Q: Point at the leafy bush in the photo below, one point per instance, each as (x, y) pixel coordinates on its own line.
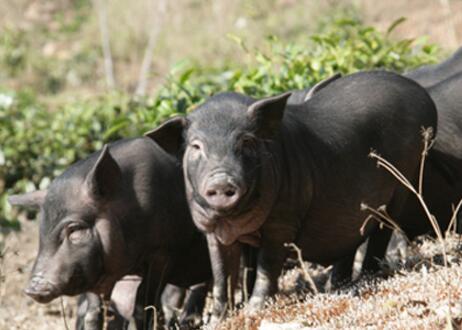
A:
(36, 145)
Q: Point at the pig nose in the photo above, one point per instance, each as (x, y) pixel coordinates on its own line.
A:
(221, 194)
(40, 290)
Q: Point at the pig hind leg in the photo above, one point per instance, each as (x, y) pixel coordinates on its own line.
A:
(191, 315)
(378, 240)
(342, 271)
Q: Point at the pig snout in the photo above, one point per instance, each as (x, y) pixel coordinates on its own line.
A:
(41, 290)
(222, 192)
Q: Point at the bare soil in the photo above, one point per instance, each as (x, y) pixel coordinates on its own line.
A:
(418, 293)
(17, 311)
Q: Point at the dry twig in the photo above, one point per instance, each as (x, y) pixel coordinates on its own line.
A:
(381, 162)
(66, 326)
(154, 316)
(452, 222)
(306, 275)
(427, 136)
(105, 313)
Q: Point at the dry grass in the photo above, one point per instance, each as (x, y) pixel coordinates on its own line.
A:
(422, 294)
(416, 297)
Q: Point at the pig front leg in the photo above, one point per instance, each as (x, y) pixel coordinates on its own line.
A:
(342, 271)
(225, 262)
(191, 316)
(172, 299)
(269, 265)
(89, 312)
(376, 250)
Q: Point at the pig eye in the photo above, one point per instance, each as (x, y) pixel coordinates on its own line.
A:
(77, 233)
(248, 145)
(196, 146)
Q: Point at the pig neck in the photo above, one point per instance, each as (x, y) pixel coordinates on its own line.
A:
(292, 165)
(164, 238)
(157, 221)
(285, 188)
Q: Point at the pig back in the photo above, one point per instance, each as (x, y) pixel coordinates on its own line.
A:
(342, 124)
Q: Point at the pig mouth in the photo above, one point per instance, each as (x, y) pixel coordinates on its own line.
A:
(202, 219)
(208, 219)
(42, 290)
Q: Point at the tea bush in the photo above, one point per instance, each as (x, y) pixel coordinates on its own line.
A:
(37, 144)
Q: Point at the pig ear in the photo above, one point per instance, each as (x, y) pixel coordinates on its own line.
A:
(33, 199)
(268, 113)
(169, 135)
(105, 177)
(123, 295)
(320, 85)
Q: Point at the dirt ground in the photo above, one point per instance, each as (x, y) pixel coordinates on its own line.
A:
(17, 311)
(421, 294)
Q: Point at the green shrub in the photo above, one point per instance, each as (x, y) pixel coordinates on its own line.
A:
(13, 52)
(36, 145)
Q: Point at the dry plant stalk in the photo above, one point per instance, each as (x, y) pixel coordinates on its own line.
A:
(244, 284)
(381, 162)
(306, 275)
(381, 215)
(63, 313)
(452, 222)
(154, 318)
(230, 292)
(427, 135)
(106, 317)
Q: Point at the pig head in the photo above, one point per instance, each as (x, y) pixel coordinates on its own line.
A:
(81, 245)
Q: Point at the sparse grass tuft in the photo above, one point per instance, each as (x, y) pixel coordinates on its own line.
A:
(421, 295)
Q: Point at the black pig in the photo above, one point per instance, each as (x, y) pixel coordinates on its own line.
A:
(121, 211)
(429, 75)
(264, 173)
(443, 169)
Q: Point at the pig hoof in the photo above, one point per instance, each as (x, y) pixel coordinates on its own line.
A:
(255, 304)
(193, 321)
(214, 322)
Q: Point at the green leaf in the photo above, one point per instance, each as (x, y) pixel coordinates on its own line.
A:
(395, 24)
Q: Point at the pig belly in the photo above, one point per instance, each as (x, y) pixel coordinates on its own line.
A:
(325, 239)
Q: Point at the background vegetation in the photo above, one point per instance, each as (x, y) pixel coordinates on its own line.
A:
(49, 118)
(75, 74)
